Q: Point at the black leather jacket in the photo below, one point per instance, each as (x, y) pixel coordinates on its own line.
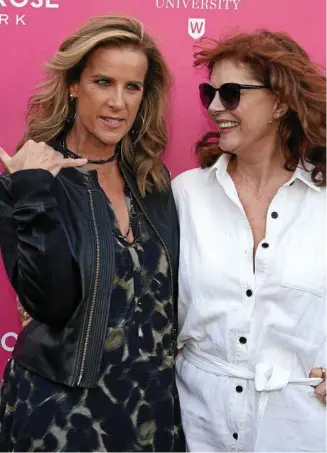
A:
(58, 249)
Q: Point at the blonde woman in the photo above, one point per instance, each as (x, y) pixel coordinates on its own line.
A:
(89, 237)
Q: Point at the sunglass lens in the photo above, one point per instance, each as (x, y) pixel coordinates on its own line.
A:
(230, 95)
(207, 94)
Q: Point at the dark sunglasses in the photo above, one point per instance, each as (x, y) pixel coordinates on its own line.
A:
(229, 93)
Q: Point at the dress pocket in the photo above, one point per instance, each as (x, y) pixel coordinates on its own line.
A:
(305, 268)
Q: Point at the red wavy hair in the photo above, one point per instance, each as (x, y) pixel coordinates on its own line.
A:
(276, 60)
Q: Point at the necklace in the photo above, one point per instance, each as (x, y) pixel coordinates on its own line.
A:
(69, 153)
(130, 207)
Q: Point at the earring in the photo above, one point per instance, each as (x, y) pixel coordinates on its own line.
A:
(134, 135)
(136, 129)
(70, 118)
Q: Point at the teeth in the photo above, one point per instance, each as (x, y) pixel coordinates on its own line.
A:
(112, 121)
(227, 124)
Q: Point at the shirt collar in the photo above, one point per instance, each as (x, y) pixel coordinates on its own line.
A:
(301, 173)
(220, 167)
(304, 175)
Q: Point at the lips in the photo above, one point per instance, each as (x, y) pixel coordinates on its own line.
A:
(112, 121)
(226, 125)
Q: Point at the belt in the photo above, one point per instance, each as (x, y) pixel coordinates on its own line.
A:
(266, 377)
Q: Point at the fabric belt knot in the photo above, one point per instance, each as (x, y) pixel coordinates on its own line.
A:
(266, 377)
(270, 377)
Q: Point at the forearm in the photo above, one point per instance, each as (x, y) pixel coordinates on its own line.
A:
(35, 249)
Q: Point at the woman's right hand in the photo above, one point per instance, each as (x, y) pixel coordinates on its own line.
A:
(34, 156)
(321, 389)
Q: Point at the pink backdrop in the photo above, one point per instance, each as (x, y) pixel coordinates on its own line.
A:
(31, 30)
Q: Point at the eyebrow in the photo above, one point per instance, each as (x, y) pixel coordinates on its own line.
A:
(105, 77)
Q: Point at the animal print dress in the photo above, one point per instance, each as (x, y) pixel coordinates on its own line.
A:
(135, 405)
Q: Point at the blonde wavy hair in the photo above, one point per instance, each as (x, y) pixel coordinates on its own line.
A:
(49, 107)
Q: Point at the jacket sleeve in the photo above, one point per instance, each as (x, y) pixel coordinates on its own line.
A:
(35, 248)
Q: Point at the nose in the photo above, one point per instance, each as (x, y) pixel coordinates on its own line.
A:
(216, 105)
(116, 99)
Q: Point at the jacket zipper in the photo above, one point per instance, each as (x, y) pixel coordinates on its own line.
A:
(97, 272)
(174, 329)
(95, 289)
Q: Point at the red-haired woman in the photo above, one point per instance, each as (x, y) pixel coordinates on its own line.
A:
(252, 265)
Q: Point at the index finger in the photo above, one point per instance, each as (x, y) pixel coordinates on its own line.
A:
(73, 162)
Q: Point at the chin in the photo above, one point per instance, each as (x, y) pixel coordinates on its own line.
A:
(109, 140)
(227, 147)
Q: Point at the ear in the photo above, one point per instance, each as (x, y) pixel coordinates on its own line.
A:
(280, 109)
(74, 90)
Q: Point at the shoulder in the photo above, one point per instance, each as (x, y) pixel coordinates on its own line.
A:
(190, 180)
(189, 188)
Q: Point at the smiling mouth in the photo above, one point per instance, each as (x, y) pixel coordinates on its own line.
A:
(227, 125)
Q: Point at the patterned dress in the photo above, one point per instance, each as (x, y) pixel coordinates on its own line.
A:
(132, 408)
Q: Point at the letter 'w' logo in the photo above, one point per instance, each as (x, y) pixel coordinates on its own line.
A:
(196, 28)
